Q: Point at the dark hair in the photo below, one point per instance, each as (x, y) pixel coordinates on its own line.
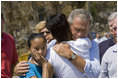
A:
(33, 36)
(59, 27)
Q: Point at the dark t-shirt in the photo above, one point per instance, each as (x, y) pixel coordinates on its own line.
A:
(103, 46)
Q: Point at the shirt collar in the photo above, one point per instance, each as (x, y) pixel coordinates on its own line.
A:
(111, 42)
(115, 48)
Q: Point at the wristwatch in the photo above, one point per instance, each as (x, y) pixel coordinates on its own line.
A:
(73, 56)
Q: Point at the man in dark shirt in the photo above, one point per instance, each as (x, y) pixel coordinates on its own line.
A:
(103, 46)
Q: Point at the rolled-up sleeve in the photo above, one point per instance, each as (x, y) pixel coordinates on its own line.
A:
(92, 67)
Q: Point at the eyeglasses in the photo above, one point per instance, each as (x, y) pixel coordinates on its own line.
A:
(47, 32)
(81, 29)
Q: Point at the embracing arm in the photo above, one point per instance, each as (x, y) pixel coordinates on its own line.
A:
(89, 67)
(64, 51)
(79, 63)
(21, 68)
(92, 67)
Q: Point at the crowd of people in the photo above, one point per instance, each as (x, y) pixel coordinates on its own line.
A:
(100, 39)
(63, 48)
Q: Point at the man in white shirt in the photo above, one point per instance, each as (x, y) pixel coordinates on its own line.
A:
(109, 61)
(62, 67)
(105, 37)
(97, 39)
(80, 27)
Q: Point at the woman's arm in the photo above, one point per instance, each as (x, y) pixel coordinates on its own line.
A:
(33, 77)
(47, 70)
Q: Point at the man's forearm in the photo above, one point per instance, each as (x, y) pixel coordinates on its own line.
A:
(79, 63)
(65, 51)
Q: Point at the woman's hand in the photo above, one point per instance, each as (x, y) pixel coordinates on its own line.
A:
(46, 66)
(21, 68)
(38, 57)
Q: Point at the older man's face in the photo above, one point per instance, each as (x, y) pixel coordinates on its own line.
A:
(111, 26)
(115, 29)
(80, 28)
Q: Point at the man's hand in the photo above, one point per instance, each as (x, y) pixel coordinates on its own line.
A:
(21, 68)
(63, 50)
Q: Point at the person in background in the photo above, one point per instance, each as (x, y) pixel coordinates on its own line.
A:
(97, 39)
(37, 47)
(105, 37)
(103, 46)
(40, 28)
(109, 60)
(9, 56)
(80, 21)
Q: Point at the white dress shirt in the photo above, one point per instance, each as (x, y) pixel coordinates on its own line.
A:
(109, 63)
(63, 68)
